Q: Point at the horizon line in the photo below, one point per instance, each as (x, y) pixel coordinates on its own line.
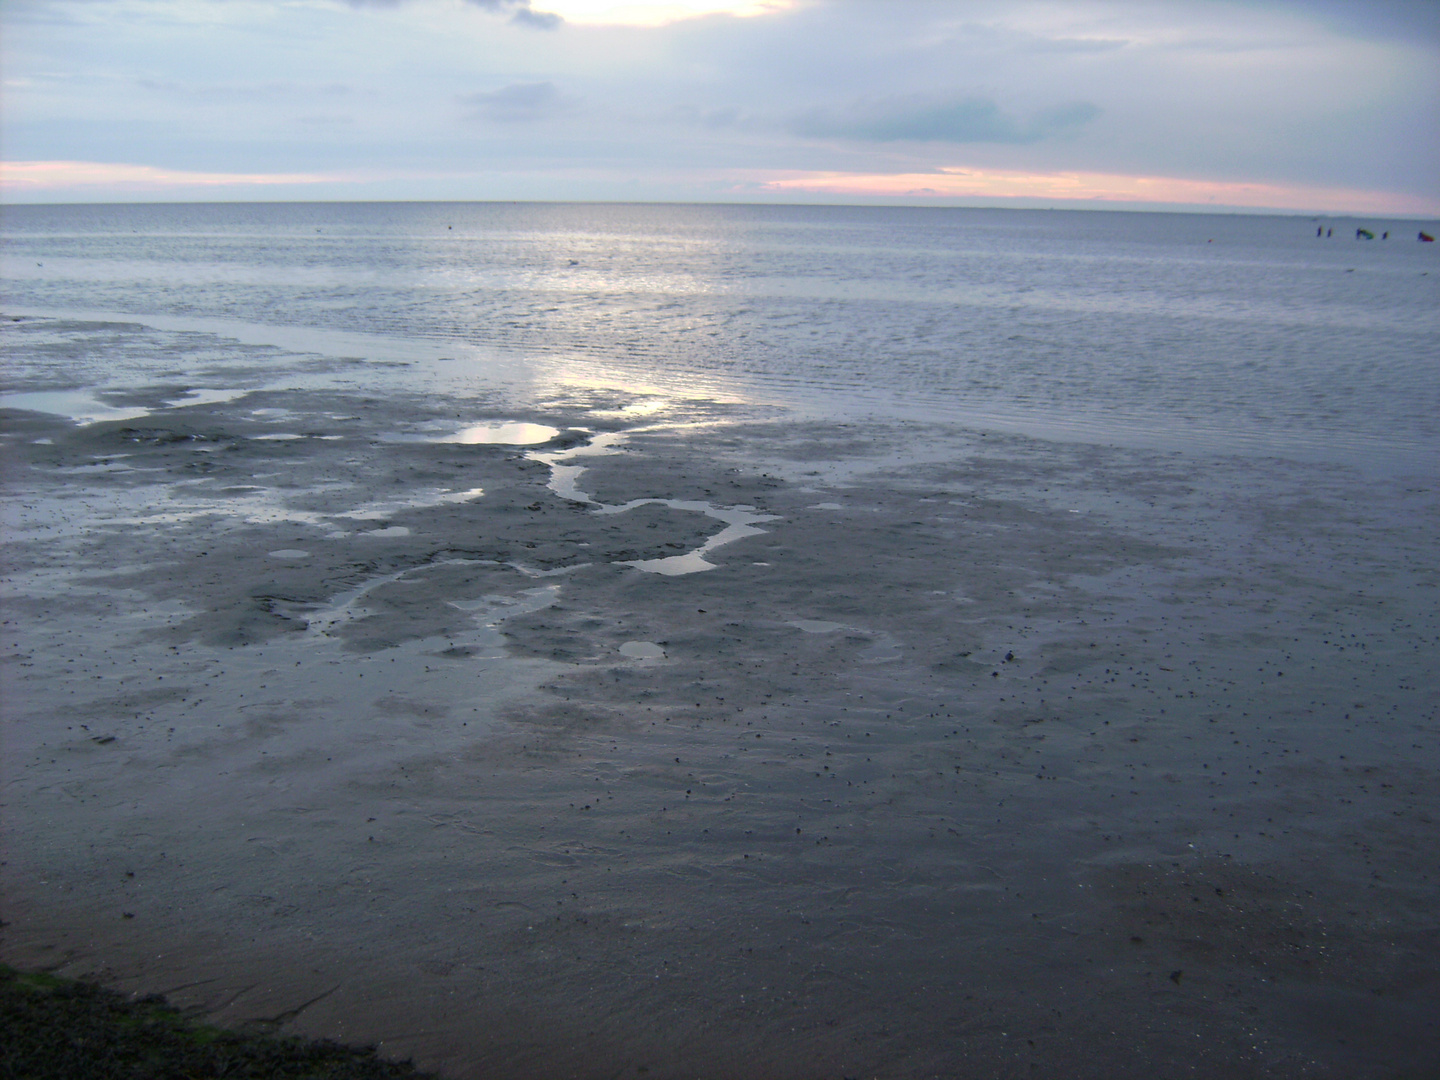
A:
(1061, 205)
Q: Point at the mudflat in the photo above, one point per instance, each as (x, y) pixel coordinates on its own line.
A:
(673, 738)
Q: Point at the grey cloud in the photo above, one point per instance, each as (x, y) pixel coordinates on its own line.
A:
(539, 20)
(517, 103)
(520, 11)
(954, 120)
(1060, 118)
(1403, 20)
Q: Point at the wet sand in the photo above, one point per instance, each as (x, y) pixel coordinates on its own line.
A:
(969, 755)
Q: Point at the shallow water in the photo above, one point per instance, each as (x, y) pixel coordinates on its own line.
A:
(1188, 331)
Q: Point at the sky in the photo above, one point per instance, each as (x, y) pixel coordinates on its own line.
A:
(1328, 106)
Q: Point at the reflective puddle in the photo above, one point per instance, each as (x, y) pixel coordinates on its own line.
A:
(740, 521)
(81, 406)
(84, 407)
(642, 650)
(509, 434)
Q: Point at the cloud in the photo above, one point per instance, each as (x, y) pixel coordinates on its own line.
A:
(1061, 118)
(953, 120)
(48, 175)
(1099, 188)
(517, 103)
(538, 20)
(520, 11)
(855, 87)
(1402, 20)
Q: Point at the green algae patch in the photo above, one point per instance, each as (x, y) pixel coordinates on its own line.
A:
(61, 1029)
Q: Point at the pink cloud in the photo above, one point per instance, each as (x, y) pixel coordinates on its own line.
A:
(21, 176)
(956, 183)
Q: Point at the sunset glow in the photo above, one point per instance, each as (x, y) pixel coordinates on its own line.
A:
(22, 176)
(957, 183)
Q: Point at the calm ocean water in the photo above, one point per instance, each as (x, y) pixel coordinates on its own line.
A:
(1240, 333)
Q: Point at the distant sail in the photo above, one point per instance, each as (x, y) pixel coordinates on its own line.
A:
(1426, 238)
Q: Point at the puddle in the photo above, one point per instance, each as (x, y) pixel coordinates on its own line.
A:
(385, 509)
(816, 626)
(530, 571)
(189, 500)
(289, 553)
(511, 434)
(326, 621)
(206, 397)
(84, 407)
(564, 479)
(642, 650)
(178, 503)
(80, 406)
(740, 521)
(494, 608)
(465, 496)
(886, 646)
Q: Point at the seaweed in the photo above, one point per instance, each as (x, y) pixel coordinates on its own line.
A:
(59, 1029)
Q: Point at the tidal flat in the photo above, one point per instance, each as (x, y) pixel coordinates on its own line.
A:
(967, 754)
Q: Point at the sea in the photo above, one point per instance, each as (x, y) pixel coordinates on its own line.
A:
(1288, 336)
